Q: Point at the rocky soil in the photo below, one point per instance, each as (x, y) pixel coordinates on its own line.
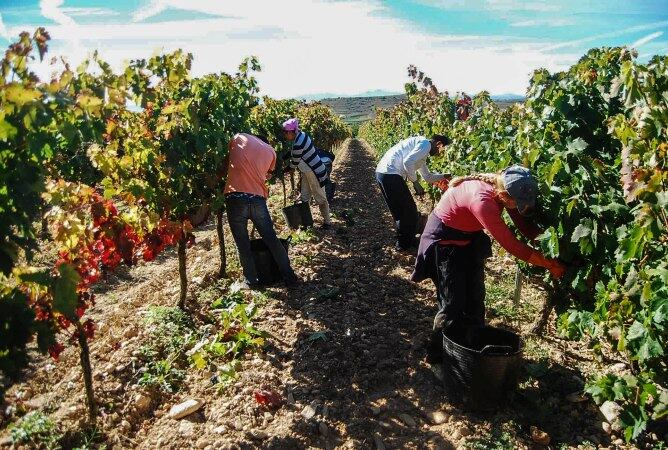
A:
(344, 352)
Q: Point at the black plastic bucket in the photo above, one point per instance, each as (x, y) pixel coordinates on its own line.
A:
(298, 215)
(265, 265)
(481, 366)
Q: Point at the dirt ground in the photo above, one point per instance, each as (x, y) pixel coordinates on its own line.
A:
(344, 351)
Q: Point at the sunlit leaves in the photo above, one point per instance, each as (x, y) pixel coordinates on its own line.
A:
(19, 95)
(65, 298)
(596, 138)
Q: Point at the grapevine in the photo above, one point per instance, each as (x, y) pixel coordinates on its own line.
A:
(595, 137)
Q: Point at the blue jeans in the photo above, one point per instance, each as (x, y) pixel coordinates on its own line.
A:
(241, 209)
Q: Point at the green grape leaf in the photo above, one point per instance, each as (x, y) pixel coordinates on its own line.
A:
(20, 95)
(65, 297)
(580, 232)
(634, 421)
(42, 278)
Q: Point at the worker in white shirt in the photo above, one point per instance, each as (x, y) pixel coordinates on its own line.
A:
(401, 162)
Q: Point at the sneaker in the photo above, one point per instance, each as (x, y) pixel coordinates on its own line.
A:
(244, 286)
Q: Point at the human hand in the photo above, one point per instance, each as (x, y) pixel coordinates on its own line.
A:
(442, 184)
(557, 268)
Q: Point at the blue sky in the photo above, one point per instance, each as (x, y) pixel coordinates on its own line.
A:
(349, 46)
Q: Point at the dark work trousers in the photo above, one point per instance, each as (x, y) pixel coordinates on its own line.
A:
(240, 209)
(460, 283)
(402, 206)
(330, 186)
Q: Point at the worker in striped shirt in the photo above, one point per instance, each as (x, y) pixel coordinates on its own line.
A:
(314, 173)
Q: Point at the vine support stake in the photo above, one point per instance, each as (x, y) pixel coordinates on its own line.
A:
(550, 301)
(183, 276)
(518, 287)
(285, 195)
(84, 357)
(222, 272)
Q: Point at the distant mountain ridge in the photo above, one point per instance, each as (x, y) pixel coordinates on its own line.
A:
(509, 97)
(328, 95)
(359, 109)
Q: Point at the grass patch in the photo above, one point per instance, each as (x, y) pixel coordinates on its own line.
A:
(213, 291)
(499, 299)
(39, 431)
(534, 350)
(501, 438)
(176, 343)
(302, 260)
(303, 236)
(163, 375)
(90, 438)
(36, 430)
(347, 215)
(171, 332)
(220, 352)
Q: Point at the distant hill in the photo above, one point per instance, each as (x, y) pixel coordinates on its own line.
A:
(329, 95)
(359, 109)
(508, 98)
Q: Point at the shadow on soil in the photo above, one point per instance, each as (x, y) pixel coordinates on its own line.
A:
(362, 369)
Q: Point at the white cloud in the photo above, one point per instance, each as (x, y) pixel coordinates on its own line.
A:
(612, 34)
(521, 5)
(152, 8)
(3, 30)
(496, 5)
(155, 7)
(88, 12)
(543, 23)
(650, 37)
(51, 10)
(342, 47)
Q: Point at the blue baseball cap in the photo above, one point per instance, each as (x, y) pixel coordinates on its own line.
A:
(522, 187)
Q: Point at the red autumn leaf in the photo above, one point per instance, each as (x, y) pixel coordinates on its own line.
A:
(267, 398)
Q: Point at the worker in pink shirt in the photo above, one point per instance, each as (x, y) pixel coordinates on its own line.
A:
(247, 168)
(453, 246)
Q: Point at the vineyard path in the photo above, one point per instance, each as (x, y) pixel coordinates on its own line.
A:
(344, 348)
